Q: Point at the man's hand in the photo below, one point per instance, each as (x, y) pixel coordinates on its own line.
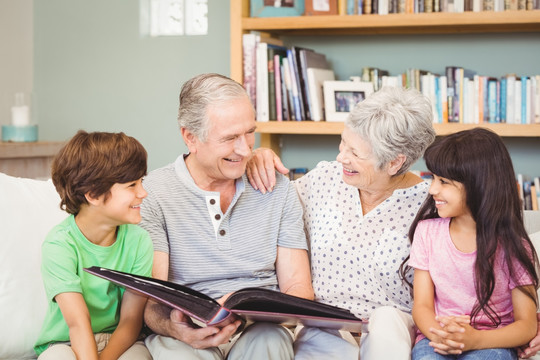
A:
(183, 329)
(261, 169)
(525, 352)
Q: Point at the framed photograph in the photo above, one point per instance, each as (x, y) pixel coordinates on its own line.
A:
(276, 8)
(340, 97)
(321, 7)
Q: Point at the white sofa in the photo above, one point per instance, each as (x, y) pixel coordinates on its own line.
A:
(29, 209)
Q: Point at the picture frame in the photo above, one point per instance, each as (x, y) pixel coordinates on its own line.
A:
(276, 8)
(341, 96)
(321, 7)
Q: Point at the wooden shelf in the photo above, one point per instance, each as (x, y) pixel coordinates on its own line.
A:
(422, 23)
(28, 159)
(12, 150)
(335, 128)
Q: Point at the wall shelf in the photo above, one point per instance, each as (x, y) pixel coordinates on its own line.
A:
(28, 159)
(335, 128)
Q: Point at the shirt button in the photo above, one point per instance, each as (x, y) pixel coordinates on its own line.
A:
(222, 232)
(212, 201)
(217, 216)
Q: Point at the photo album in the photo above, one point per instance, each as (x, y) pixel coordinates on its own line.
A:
(249, 304)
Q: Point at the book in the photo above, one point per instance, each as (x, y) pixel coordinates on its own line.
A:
(272, 51)
(316, 78)
(297, 101)
(310, 59)
(300, 81)
(261, 70)
(249, 46)
(248, 304)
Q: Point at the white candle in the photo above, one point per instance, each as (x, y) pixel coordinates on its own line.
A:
(20, 115)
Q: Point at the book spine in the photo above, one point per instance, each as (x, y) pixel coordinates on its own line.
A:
(277, 90)
(537, 101)
(502, 100)
(537, 188)
(350, 7)
(451, 92)
(510, 100)
(458, 96)
(284, 95)
(492, 100)
(262, 83)
(304, 84)
(271, 84)
(296, 71)
(249, 42)
(517, 102)
(524, 100)
(294, 87)
(288, 85)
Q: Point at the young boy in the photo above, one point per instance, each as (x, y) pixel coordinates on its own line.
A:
(99, 178)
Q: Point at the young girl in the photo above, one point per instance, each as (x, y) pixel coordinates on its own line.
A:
(99, 179)
(475, 267)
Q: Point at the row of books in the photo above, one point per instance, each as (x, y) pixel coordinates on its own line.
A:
(529, 192)
(384, 7)
(284, 83)
(462, 96)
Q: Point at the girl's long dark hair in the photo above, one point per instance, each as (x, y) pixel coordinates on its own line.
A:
(479, 160)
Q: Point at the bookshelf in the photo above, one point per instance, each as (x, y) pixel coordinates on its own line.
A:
(423, 23)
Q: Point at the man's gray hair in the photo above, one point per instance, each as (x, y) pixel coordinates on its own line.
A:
(394, 121)
(198, 94)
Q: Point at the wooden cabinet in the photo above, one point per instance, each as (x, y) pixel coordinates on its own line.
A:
(432, 23)
(28, 159)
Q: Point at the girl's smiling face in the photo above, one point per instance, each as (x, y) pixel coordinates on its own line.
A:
(449, 196)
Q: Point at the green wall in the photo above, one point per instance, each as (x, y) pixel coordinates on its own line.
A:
(94, 70)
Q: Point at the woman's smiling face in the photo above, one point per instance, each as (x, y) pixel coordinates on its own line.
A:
(359, 164)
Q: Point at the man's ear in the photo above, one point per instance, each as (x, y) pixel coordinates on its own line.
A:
(396, 164)
(190, 139)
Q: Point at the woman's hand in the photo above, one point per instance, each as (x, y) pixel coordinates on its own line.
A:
(261, 169)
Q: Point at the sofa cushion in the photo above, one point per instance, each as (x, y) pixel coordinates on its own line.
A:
(30, 208)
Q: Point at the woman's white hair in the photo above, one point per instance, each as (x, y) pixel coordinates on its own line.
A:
(201, 92)
(394, 121)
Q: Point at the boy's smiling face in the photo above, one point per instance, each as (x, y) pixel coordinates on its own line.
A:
(122, 205)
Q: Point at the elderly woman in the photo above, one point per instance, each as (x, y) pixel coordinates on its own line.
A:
(357, 213)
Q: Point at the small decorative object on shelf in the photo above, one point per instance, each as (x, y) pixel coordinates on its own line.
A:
(20, 129)
(341, 96)
(276, 8)
(321, 7)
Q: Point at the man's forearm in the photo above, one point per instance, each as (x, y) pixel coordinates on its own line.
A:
(157, 317)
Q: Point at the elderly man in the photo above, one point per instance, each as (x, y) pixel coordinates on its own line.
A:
(213, 232)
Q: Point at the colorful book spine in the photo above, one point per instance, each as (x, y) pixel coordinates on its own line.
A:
(502, 100)
(294, 87)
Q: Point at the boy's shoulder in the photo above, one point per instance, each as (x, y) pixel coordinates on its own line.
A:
(62, 230)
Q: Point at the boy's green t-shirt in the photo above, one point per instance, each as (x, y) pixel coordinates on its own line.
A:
(65, 253)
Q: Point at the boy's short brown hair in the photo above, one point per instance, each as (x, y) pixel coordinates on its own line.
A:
(91, 163)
